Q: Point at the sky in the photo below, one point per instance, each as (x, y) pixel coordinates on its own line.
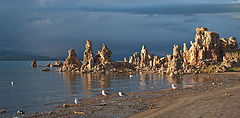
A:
(51, 27)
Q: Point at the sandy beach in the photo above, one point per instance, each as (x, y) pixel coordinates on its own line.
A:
(213, 99)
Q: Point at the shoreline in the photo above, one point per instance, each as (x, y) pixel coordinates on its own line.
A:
(147, 104)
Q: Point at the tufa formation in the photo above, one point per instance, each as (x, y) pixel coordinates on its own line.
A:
(72, 63)
(208, 53)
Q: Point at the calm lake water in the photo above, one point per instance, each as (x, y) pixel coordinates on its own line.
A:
(36, 91)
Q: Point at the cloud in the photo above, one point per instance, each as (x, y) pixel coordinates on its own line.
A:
(41, 22)
(51, 27)
(238, 1)
(45, 2)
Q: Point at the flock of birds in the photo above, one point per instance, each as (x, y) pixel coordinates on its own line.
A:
(121, 94)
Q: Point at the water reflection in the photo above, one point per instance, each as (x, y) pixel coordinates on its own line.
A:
(176, 81)
(94, 81)
(143, 83)
(88, 84)
(70, 80)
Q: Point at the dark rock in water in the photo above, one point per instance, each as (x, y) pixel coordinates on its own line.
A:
(46, 69)
(58, 64)
(72, 63)
(34, 63)
(20, 112)
(2, 111)
(48, 65)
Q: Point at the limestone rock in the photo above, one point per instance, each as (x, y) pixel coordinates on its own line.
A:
(104, 56)
(144, 57)
(72, 62)
(125, 59)
(206, 46)
(231, 59)
(156, 62)
(175, 61)
(88, 58)
(58, 63)
(232, 44)
(135, 59)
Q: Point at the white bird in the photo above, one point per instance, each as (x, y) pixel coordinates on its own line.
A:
(174, 86)
(12, 83)
(104, 93)
(130, 76)
(120, 94)
(76, 101)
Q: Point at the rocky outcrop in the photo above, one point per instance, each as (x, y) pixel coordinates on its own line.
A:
(58, 64)
(135, 59)
(175, 61)
(88, 58)
(125, 59)
(145, 60)
(72, 63)
(144, 57)
(208, 53)
(206, 46)
(230, 45)
(104, 56)
(46, 69)
(48, 65)
(207, 50)
(231, 59)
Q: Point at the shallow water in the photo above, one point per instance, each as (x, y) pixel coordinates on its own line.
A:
(36, 91)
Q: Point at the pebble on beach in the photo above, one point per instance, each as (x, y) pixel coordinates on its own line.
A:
(79, 112)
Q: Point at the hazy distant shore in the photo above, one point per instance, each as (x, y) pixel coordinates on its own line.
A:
(212, 99)
(28, 58)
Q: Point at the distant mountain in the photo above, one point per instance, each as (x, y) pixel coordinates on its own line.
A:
(27, 58)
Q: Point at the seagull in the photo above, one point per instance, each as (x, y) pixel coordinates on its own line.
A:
(76, 101)
(174, 86)
(104, 93)
(120, 94)
(12, 83)
(130, 76)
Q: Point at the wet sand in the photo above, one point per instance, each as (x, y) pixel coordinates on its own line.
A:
(212, 99)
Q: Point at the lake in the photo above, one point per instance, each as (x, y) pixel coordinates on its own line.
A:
(36, 91)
